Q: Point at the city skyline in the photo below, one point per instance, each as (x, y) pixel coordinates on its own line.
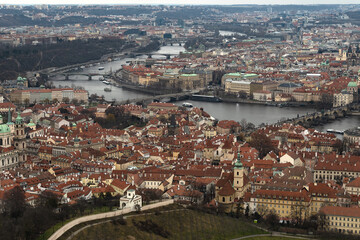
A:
(182, 2)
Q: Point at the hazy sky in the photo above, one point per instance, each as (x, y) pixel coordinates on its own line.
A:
(166, 2)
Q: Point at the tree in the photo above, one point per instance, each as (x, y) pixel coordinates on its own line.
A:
(326, 101)
(262, 211)
(242, 94)
(338, 146)
(14, 202)
(66, 100)
(272, 219)
(75, 101)
(47, 199)
(243, 124)
(262, 143)
(46, 101)
(26, 101)
(322, 221)
(247, 210)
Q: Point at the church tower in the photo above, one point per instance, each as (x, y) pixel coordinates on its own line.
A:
(20, 137)
(9, 122)
(238, 177)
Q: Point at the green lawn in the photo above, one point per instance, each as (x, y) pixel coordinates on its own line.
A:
(272, 238)
(182, 224)
(57, 226)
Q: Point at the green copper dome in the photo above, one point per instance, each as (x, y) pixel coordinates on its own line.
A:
(352, 84)
(4, 128)
(31, 123)
(238, 163)
(19, 119)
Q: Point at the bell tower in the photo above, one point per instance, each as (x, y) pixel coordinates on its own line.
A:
(20, 137)
(238, 176)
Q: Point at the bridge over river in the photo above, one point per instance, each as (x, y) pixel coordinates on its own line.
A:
(157, 98)
(67, 75)
(324, 116)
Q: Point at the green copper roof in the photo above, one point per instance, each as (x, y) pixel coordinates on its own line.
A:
(238, 163)
(352, 84)
(235, 74)
(4, 128)
(19, 119)
(250, 75)
(31, 123)
(189, 75)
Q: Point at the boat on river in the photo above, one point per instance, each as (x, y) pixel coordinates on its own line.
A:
(330, 130)
(188, 105)
(205, 98)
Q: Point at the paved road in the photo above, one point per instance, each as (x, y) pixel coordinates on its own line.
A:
(77, 221)
(273, 234)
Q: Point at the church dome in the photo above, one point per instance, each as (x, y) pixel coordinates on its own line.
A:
(4, 128)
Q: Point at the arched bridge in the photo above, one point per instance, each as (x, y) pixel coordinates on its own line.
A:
(318, 117)
(88, 75)
(150, 55)
(158, 98)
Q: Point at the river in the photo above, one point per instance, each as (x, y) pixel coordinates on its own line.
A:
(253, 113)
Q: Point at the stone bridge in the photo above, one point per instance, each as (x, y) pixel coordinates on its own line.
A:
(150, 55)
(323, 116)
(88, 75)
(157, 98)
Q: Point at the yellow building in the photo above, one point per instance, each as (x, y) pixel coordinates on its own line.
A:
(342, 219)
(237, 86)
(286, 204)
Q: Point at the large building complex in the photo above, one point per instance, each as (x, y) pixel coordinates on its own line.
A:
(48, 95)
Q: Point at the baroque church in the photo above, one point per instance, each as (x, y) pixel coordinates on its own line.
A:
(12, 142)
(353, 54)
(231, 188)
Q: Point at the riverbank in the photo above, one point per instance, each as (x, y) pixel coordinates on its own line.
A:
(142, 89)
(123, 53)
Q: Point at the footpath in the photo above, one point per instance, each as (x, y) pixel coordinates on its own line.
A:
(99, 216)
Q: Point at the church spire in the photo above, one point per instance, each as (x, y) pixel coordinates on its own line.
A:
(238, 164)
(9, 116)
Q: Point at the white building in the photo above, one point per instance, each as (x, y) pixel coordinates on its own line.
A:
(262, 95)
(343, 98)
(131, 200)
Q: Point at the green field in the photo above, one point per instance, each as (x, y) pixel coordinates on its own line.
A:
(181, 224)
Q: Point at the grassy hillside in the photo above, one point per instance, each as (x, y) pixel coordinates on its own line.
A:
(182, 224)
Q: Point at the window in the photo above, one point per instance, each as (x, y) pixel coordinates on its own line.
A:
(223, 199)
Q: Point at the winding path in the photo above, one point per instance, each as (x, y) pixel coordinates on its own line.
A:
(89, 218)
